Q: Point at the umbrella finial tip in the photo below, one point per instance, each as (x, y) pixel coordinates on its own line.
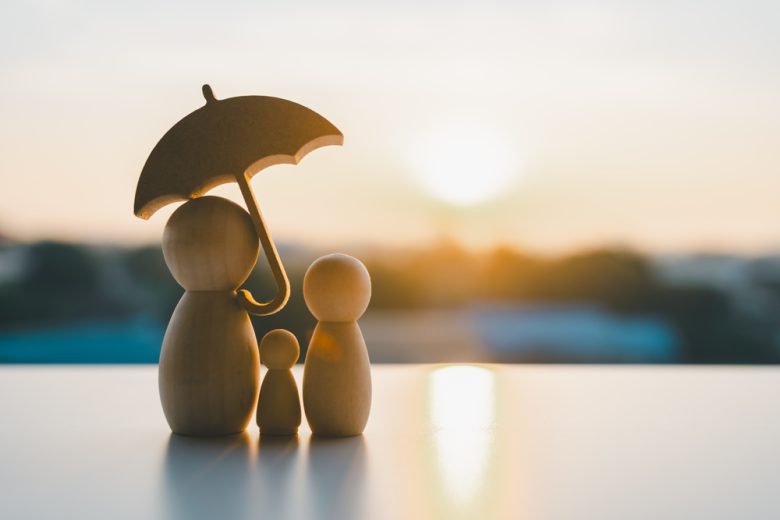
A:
(208, 93)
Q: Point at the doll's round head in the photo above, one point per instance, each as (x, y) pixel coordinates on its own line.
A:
(279, 349)
(337, 287)
(210, 244)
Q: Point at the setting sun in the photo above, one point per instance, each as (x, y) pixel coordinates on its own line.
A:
(463, 164)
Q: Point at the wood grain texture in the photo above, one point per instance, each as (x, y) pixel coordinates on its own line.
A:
(274, 261)
(337, 287)
(210, 244)
(223, 139)
(337, 371)
(209, 365)
(337, 380)
(232, 140)
(279, 407)
(279, 349)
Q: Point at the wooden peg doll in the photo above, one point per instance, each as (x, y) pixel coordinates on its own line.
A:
(279, 407)
(209, 367)
(337, 372)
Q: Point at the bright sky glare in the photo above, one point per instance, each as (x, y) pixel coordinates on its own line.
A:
(651, 124)
(463, 163)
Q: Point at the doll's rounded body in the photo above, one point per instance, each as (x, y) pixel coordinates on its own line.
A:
(279, 406)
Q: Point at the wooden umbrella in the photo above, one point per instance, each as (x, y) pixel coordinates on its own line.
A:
(231, 140)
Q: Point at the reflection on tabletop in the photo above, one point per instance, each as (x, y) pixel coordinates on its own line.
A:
(308, 476)
(234, 476)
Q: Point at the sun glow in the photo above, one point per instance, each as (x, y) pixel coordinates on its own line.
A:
(463, 164)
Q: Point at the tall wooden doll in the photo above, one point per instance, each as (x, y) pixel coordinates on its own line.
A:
(209, 364)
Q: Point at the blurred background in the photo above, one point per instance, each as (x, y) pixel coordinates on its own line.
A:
(591, 181)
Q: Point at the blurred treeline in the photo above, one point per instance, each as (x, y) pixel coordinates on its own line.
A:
(48, 283)
(714, 325)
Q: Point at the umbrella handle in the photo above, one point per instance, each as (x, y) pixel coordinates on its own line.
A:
(280, 276)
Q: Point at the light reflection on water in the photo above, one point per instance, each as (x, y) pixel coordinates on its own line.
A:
(462, 402)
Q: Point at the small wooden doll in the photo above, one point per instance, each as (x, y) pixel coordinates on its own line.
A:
(279, 407)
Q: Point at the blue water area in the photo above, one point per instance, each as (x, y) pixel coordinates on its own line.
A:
(575, 333)
(132, 341)
(510, 333)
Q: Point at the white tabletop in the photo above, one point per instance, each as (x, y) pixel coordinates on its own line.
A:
(547, 442)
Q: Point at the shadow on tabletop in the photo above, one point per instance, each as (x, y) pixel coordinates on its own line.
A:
(207, 477)
(336, 477)
(289, 477)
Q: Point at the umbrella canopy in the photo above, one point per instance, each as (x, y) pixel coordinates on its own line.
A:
(231, 140)
(224, 139)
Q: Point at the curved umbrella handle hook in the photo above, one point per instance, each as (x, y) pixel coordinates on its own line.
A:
(280, 276)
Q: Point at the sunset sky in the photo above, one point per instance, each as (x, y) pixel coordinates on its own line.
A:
(545, 125)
